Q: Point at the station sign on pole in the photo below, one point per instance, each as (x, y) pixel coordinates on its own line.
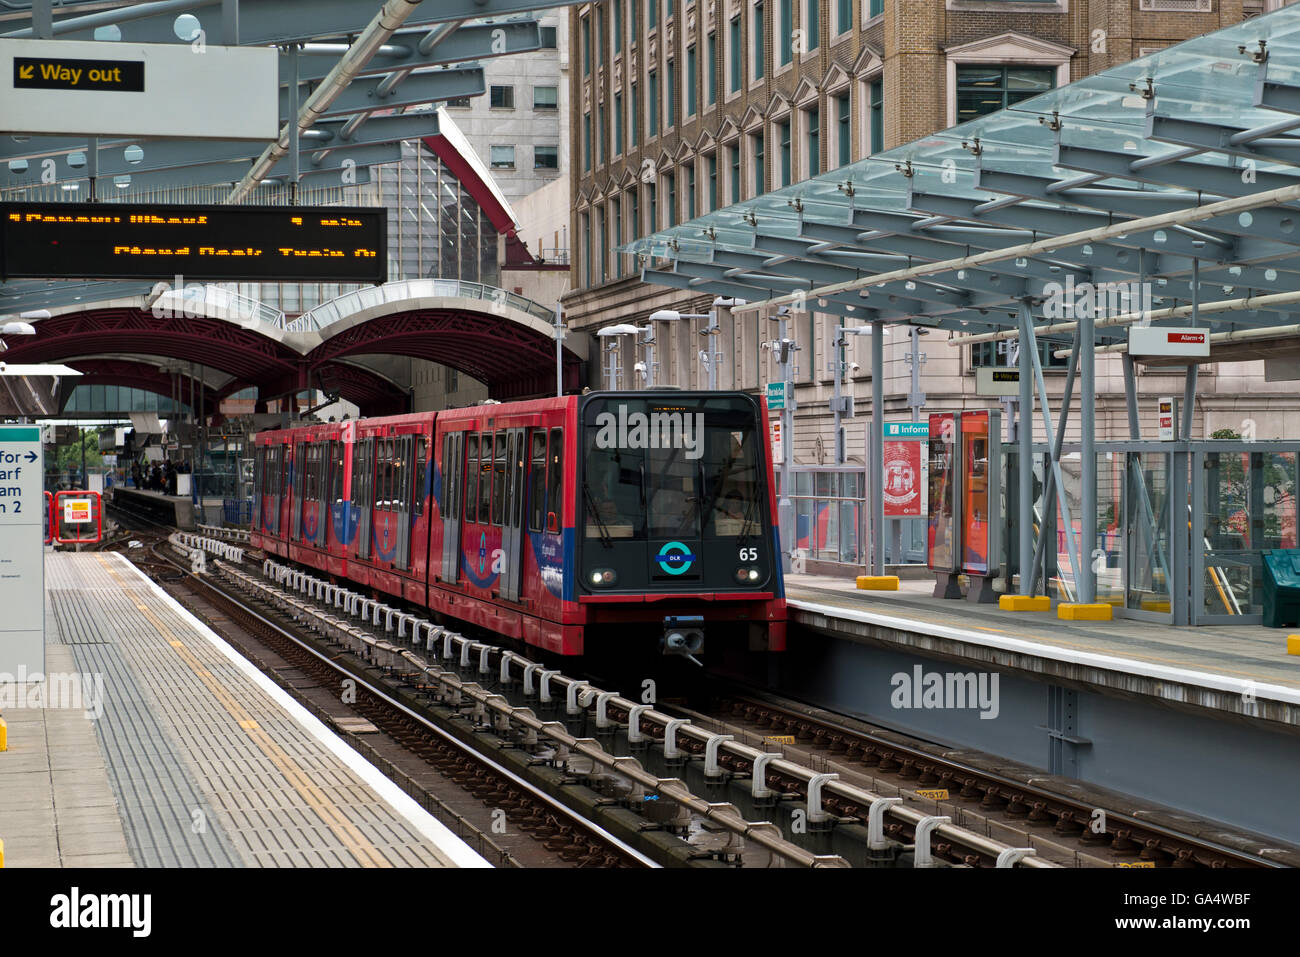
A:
(23, 510)
(991, 381)
(102, 88)
(1165, 341)
(776, 395)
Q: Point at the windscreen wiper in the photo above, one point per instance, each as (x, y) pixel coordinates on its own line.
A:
(605, 538)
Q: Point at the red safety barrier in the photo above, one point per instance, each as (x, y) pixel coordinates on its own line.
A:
(49, 519)
(79, 518)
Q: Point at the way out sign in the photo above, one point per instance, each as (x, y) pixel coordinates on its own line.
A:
(22, 551)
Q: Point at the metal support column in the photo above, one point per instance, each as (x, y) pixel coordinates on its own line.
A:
(559, 350)
(837, 369)
(43, 19)
(1130, 398)
(875, 478)
(1025, 436)
(1180, 539)
(295, 156)
(1193, 368)
(1086, 591)
(785, 506)
(230, 22)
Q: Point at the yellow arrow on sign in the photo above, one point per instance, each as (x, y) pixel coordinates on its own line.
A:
(25, 72)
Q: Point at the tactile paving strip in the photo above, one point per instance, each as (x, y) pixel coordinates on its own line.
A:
(268, 793)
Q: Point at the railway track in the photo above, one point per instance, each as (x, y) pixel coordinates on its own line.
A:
(603, 718)
(1072, 830)
(461, 788)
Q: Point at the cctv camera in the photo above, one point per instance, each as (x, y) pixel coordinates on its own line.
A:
(854, 367)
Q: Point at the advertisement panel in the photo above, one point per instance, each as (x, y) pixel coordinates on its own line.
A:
(979, 491)
(902, 482)
(942, 531)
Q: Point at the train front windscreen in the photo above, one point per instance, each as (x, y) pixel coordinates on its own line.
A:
(673, 494)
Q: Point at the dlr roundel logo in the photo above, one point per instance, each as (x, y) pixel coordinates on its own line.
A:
(675, 558)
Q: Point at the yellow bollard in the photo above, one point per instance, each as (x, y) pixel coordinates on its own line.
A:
(1025, 603)
(1073, 611)
(1292, 648)
(878, 582)
(4, 735)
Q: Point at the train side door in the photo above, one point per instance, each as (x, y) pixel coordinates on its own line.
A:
(299, 479)
(403, 492)
(363, 481)
(512, 533)
(453, 468)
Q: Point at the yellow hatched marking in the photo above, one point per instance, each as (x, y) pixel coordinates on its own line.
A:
(366, 854)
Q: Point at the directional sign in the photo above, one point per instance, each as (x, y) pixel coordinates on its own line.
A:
(184, 90)
(22, 557)
(995, 381)
(59, 73)
(907, 430)
(1166, 341)
(776, 395)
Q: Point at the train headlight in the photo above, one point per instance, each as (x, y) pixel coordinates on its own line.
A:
(744, 575)
(753, 574)
(603, 577)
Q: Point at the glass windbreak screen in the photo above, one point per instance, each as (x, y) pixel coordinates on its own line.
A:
(671, 468)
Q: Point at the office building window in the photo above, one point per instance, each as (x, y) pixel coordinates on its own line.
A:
(586, 46)
(735, 54)
(711, 166)
(651, 14)
(986, 89)
(813, 141)
(618, 124)
(760, 162)
(670, 180)
(549, 40)
(503, 97)
(843, 15)
(692, 80)
(634, 210)
(604, 132)
(618, 235)
(668, 9)
(603, 251)
(783, 141)
(546, 97)
(843, 120)
(691, 208)
(876, 114)
(586, 142)
(546, 157)
(652, 108)
(759, 68)
(785, 32)
(671, 68)
(633, 120)
(711, 72)
(618, 26)
(733, 163)
(503, 157)
(586, 247)
(997, 354)
(458, 102)
(652, 205)
(811, 24)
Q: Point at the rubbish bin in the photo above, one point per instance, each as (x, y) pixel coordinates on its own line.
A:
(1282, 587)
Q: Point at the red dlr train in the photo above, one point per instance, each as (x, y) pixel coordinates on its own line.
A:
(602, 522)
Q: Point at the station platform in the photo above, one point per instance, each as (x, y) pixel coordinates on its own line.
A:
(178, 511)
(1241, 670)
(158, 745)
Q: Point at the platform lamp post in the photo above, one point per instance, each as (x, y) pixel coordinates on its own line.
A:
(609, 346)
(711, 356)
(841, 405)
(784, 348)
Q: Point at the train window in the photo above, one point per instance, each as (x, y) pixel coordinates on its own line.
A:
(732, 482)
(537, 483)
(517, 483)
(421, 467)
(336, 473)
(555, 483)
(499, 481)
(485, 479)
(400, 494)
(471, 479)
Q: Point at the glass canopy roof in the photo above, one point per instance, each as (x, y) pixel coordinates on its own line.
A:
(1186, 126)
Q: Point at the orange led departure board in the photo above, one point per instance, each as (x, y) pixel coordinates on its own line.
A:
(160, 241)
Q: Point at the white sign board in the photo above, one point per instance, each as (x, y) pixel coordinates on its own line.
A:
(1167, 412)
(194, 91)
(22, 552)
(1164, 341)
(778, 447)
(997, 381)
